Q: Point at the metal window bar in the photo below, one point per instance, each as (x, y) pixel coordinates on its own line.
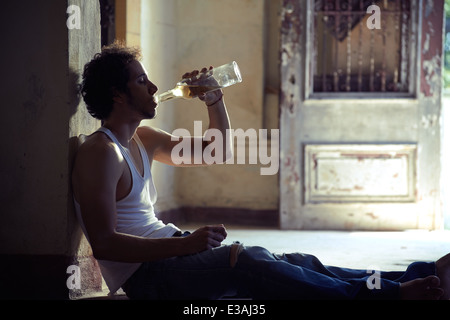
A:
(362, 59)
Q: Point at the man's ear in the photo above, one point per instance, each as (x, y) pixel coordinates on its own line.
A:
(118, 96)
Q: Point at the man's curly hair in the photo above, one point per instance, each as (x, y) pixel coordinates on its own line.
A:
(105, 73)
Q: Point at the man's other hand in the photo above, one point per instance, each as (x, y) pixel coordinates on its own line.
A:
(206, 238)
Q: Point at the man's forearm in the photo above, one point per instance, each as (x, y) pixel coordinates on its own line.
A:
(128, 248)
(219, 119)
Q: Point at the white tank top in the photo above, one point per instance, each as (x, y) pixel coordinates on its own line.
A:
(135, 215)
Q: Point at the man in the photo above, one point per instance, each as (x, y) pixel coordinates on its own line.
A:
(114, 196)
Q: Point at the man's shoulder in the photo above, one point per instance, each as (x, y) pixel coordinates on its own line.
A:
(151, 133)
(99, 147)
(151, 137)
(98, 164)
(146, 131)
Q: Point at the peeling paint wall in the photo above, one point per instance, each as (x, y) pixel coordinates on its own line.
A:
(430, 107)
(431, 48)
(291, 96)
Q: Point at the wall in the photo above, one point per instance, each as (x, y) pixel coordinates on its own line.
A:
(83, 44)
(128, 21)
(39, 236)
(158, 41)
(445, 158)
(179, 36)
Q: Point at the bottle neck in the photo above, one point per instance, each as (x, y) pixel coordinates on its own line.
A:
(166, 96)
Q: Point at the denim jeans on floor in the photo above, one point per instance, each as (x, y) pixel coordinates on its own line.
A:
(260, 274)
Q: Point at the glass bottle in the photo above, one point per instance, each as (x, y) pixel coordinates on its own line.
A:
(214, 79)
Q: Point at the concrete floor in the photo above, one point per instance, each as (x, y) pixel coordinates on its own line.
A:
(384, 251)
(387, 251)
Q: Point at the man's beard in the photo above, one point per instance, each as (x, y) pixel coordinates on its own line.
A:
(147, 115)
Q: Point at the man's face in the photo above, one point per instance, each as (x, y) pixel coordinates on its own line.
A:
(141, 91)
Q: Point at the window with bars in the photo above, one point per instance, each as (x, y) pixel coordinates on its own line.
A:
(349, 57)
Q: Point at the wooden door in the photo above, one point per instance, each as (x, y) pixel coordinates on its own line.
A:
(360, 108)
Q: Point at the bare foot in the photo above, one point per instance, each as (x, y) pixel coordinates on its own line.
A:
(421, 289)
(443, 272)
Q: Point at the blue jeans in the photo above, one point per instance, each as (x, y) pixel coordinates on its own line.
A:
(259, 274)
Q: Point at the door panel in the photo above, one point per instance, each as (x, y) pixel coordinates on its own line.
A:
(360, 173)
(365, 159)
